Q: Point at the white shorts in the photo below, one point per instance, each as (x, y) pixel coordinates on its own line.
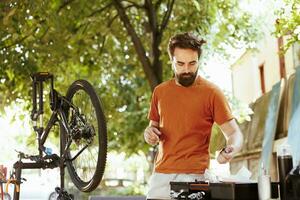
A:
(159, 183)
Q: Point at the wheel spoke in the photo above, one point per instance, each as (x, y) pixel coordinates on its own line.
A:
(85, 105)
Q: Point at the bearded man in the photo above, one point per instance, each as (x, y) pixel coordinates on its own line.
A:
(182, 113)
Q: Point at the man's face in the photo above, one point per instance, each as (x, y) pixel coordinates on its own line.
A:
(185, 65)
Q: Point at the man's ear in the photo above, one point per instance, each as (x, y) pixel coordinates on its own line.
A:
(173, 66)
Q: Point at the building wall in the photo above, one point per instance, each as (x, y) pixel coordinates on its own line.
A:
(246, 86)
(245, 78)
(246, 81)
(290, 61)
(268, 55)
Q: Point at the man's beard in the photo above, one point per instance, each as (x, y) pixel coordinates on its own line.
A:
(186, 79)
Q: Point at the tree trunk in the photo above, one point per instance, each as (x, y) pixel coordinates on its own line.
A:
(157, 64)
(147, 66)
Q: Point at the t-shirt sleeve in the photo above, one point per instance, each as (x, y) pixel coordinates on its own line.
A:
(153, 111)
(220, 108)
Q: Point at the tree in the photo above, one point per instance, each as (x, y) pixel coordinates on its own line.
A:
(115, 44)
(288, 22)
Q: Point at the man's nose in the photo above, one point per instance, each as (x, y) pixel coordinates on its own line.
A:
(185, 68)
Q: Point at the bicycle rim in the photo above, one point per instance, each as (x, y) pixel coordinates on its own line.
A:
(87, 169)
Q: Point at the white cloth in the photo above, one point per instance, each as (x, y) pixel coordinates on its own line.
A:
(159, 183)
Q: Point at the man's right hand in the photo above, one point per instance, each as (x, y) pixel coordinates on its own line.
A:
(151, 135)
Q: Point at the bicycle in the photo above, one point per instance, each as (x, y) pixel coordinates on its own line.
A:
(83, 136)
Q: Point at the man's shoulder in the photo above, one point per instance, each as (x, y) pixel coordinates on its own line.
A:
(206, 84)
(164, 85)
(211, 88)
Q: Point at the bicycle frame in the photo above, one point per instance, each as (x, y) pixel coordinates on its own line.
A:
(57, 104)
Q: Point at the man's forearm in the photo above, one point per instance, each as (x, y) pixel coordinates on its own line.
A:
(235, 140)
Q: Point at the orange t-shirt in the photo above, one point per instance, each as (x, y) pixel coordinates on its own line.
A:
(185, 116)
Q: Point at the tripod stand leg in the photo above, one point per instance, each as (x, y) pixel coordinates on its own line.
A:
(18, 171)
(62, 177)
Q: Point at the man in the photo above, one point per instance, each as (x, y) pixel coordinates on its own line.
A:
(181, 116)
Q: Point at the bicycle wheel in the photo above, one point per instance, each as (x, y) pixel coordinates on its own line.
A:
(87, 137)
(53, 196)
(7, 196)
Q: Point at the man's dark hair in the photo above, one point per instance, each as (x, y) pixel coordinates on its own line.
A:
(185, 41)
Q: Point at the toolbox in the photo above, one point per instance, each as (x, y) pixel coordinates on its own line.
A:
(218, 191)
(238, 191)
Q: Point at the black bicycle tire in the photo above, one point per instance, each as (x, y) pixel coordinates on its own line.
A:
(102, 136)
(52, 193)
(7, 196)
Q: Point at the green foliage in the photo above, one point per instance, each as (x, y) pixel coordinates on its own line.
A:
(240, 110)
(288, 23)
(87, 40)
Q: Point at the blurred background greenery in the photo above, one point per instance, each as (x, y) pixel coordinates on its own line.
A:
(120, 46)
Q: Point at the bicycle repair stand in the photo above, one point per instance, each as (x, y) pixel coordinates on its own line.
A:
(40, 161)
(46, 162)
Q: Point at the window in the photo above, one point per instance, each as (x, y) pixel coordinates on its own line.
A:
(262, 78)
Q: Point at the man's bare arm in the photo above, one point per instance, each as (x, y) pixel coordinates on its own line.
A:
(234, 141)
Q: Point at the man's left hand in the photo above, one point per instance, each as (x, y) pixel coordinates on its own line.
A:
(225, 155)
